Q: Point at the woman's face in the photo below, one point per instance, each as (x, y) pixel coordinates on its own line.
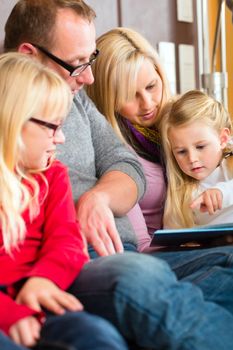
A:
(143, 108)
(40, 142)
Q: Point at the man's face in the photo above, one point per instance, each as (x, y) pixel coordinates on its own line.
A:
(74, 44)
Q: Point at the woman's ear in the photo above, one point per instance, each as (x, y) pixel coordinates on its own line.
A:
(224, 137)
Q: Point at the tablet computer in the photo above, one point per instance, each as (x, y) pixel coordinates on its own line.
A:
(197, 236)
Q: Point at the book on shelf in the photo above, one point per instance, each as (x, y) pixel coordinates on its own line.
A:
(195, 236)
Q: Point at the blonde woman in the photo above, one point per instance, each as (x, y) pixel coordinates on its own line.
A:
(130, 89)
(197, 138)
(41, 247)
(127, 86)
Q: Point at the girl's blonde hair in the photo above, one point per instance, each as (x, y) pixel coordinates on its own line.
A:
(193, 106)
(122, 53)
(26, 89)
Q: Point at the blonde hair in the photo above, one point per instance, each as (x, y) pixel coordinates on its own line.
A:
(193, 106)
(122, 53)
(26, 88)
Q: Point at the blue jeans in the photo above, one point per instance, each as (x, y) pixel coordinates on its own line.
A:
(74, 331)
(142, 297)
(7, 344)
(210, 269)
(129, 247)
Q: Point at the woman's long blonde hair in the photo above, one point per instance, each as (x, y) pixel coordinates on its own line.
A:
(122, 53)
(26, 88)
(193, 106)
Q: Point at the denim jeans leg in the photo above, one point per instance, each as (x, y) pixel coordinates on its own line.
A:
(210, 269)
(142, 297)
(81, 331)
(7, 344)
(128, 247)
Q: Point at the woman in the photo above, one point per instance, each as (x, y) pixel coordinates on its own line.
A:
(122, 66)
(130, 88)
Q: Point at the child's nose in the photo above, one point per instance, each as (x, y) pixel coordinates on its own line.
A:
(192, 156)
(59, 137)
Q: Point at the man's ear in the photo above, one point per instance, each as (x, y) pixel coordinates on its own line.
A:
(28, 49)
(224, 137)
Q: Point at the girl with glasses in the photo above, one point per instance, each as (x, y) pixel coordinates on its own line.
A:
(42, 251)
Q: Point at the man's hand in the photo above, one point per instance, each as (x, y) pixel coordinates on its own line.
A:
(209, 201)
(26, 331)
(40, 292)
(97, 223)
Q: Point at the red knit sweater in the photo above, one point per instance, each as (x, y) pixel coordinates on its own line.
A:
(53, 247)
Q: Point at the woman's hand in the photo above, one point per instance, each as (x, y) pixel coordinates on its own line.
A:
(38, 292)
(26, 331)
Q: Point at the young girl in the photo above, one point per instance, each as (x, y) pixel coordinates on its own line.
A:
(42, 251)
(130, 88)
(196, 133)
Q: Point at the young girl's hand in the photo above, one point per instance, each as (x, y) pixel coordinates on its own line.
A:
(26, 331)
(40, 292)
(210, 200)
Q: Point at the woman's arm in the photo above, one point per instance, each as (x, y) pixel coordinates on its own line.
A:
(138, 222)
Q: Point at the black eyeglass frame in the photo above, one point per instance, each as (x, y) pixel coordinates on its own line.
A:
(67, 66)
(48, 125)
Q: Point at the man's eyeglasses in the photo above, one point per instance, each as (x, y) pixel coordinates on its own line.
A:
(74, 71)
(56, 128)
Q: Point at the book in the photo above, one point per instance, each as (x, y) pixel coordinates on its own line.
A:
(212, 235)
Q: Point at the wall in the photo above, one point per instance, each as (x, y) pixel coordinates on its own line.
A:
(213, 9)
(155, 19)
(229, 39)
(5, 8)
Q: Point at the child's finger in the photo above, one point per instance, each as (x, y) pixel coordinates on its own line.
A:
(50, 303)
(208, 203)
(30, 300)
(69, 302)
(196, 203)
(219, 199)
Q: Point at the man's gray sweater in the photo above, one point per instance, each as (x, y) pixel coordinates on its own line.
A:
(92, 149)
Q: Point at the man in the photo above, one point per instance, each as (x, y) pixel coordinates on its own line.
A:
(107, 179)
(136, 292)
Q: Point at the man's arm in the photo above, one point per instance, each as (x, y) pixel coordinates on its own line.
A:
(121, 183)
(116, 193)
(107, 179)
(120, 191)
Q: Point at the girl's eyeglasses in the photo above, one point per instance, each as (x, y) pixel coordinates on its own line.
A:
(56, 128)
